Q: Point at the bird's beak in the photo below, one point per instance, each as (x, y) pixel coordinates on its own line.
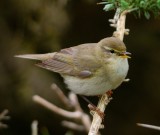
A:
(125, 54)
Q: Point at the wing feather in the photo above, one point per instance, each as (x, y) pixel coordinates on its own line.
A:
(68, 62)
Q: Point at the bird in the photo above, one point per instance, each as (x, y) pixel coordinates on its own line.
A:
(88, 69)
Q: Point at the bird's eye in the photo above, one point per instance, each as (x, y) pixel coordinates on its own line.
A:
(112, 51)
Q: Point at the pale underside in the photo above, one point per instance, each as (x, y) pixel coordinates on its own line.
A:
(102, 82)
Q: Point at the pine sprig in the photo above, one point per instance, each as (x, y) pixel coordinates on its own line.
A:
(140, 7)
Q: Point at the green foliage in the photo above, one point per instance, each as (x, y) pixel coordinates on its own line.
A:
(139, 7)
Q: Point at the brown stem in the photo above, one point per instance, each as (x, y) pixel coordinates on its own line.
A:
(120, 27)
(119, 22)
(54, 108)
(97, 120)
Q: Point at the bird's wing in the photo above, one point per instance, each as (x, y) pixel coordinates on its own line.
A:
(74, 61)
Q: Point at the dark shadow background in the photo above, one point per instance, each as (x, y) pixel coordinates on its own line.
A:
(41, 26)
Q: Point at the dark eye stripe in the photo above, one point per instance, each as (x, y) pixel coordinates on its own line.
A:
(112, 51)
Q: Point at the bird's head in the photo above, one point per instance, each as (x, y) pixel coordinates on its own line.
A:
(113, 48)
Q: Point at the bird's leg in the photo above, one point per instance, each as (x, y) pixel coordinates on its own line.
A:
(97, 110)
(109, 93)
(93, 108)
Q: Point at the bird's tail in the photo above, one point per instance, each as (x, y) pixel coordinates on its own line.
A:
(36, 56)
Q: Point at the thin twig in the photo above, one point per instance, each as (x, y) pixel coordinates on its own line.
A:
(61, 96)
(34, 127)
(54, 108)
(74, 101)
(120, 26)
(76, 115)
(2, 125)
(85, 119)
(115, 18)
(149, 126)
(73, 125)
(97, 120)
(3, 116)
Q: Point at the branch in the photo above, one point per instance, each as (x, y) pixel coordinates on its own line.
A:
(73, 126)
(65, 101)
(119, 23)
(97, 120)
(80, 121)
(149, 126)
(3, 116)
(55, 109)
(34, 127)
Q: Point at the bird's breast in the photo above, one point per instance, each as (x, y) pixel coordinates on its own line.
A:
(108, 77)
(118, 71)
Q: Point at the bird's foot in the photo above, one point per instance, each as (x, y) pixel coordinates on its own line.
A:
(94, 109)
(109, 93)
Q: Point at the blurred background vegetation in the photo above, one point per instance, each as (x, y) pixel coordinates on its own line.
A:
(41, 26)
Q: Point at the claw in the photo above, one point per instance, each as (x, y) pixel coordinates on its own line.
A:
(97, 110)
(109, 93)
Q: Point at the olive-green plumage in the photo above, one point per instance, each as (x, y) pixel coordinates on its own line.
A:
(88, 69)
